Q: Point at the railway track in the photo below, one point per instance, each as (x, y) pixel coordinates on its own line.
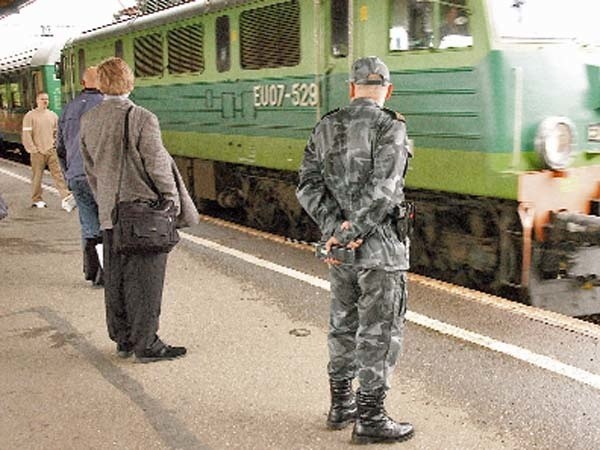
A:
(579, 325)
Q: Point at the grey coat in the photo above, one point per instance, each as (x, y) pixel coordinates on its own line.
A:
(102, 131)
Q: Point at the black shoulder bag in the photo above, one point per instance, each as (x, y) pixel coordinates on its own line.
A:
(142, 226)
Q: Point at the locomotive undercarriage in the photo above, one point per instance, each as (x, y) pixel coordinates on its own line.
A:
(470, 241)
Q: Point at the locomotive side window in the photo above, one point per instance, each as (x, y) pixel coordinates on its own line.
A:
(148, 55)
(423, 24)
(223, 44)
(119, 49)
(185, 47)
(339, 28)
(81, 60)
(270, 36)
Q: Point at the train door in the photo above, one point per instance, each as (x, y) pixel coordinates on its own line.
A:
(65, 77)
(68, 75)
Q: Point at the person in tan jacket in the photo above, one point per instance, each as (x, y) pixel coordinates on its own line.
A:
(39, 133)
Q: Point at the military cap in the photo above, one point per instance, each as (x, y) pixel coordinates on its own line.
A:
(369, 65)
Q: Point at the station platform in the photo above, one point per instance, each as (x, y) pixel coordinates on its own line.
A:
(477, 372)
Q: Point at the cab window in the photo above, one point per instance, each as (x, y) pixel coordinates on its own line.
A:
(424, 24)
(454, 25)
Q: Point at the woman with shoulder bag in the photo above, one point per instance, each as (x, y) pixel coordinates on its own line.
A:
(127, 165)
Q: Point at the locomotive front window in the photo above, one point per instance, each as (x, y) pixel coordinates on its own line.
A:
(411, 24)
(546, 20)
(454, 25)
(424, 24)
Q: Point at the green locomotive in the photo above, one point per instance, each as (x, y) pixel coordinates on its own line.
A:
(501, 99)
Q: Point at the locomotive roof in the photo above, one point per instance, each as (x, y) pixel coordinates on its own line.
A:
(181, 12)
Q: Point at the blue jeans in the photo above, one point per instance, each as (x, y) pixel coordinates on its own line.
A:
(87, 208)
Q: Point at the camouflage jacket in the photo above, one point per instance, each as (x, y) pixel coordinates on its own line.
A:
(353, 169)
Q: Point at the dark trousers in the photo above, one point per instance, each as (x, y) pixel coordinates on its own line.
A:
(133, 287)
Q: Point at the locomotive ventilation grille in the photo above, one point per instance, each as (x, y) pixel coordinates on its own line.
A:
(148, 55)
(185, 49)
(270, 36)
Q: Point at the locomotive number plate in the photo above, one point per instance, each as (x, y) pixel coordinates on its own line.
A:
(275, 95)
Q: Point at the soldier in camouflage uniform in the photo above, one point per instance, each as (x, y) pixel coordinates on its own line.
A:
(351, 184)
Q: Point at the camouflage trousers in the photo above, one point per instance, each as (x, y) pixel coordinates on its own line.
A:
(366, 323)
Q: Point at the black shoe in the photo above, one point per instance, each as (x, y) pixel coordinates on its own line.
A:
(165, 352)
(124, 351)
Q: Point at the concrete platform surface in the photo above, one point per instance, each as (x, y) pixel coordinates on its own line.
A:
(254, 377)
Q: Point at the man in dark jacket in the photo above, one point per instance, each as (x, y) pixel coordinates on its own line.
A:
(71, 162)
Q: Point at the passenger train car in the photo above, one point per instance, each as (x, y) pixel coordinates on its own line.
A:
(22, 75)
(501, 99)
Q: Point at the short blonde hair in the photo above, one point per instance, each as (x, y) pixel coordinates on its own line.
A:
(115, 77)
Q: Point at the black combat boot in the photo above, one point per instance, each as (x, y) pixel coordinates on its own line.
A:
(374, 425)
(343, 405)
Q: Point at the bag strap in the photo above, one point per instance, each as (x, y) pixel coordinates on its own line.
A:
(125, 147)
(123, 154)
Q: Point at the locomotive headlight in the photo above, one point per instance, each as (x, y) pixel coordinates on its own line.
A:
(555, 142)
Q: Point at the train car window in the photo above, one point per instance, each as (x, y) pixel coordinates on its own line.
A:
(63, 69)
(119, 49)
(454, 25)
(270, 36)
(339, 28)
(223, 44)
(25, 98)
(15, 95)
(148, 55)
(185, 47)
(81, 61)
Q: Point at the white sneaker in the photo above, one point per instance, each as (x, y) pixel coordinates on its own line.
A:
(40, 204)
(68, 203)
